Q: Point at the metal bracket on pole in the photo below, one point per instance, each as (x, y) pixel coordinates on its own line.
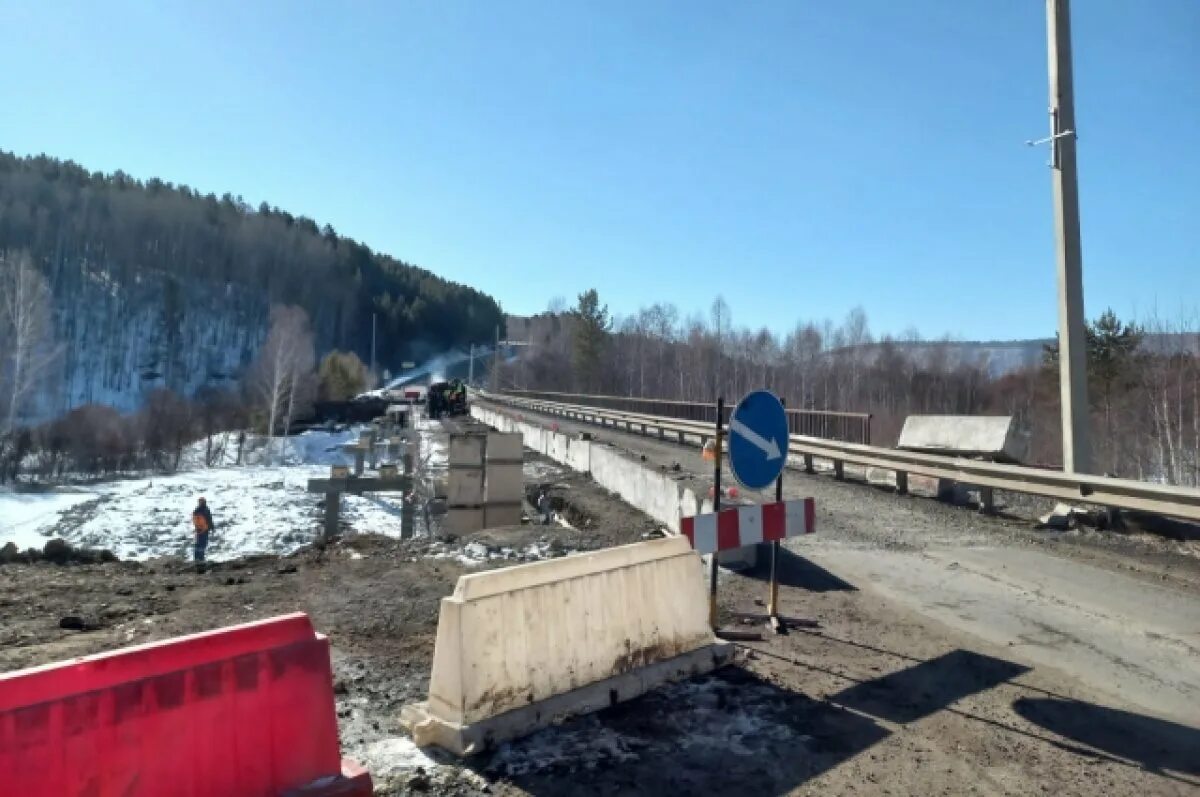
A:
(1053, 139)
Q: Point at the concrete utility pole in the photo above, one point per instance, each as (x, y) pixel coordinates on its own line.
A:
(1072, 335)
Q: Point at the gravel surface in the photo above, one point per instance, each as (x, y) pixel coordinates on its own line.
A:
(992, 693)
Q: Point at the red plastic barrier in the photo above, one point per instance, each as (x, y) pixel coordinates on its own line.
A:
(245, 710)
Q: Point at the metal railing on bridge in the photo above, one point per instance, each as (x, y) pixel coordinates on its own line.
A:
(1102, 491)
(847, 427)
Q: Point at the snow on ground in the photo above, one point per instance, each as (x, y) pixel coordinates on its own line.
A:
(259, 506)
(262, 506)
(24, 516)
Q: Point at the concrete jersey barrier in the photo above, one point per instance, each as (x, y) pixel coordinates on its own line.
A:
(521, 647)
(993, 437)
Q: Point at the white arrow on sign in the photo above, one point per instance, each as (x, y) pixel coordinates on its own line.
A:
(769, 447)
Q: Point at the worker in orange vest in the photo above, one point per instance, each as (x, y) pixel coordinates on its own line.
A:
(203, 523)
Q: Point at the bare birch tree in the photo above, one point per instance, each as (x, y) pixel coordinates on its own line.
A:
(284, 362)
(27, 347)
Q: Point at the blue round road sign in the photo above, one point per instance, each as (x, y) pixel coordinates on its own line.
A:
(758, 439)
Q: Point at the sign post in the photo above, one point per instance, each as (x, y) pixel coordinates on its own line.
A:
(758, 447)
(712, 559)
(773, 594)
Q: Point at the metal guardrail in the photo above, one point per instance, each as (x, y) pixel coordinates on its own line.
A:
(849, 427)
(1158, 499)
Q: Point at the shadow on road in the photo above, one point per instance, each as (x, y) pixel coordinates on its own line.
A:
(920, 690)
(796, 571)
(1154, 744)
(710, 735)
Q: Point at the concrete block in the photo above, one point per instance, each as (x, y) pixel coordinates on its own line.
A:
(578, 455)
(465, 451)
(439, 485)
(504, 447)
(462, 520)
(610, 625)
(993, 437)
(465, 488)
(505, 483)
(496, 515)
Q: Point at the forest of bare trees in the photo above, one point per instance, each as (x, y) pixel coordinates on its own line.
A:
(1144, 377)
(97, 440)
(28, 350)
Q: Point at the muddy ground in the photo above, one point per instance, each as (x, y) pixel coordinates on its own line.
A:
(879, 699)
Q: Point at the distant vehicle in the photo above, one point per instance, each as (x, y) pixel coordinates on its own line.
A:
(447, 399)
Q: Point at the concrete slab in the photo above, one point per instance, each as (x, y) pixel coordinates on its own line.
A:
(465, 451)
(994, 437)
(610, 624)
(497, 515)
(463, 520)
(504, 447)
(465, 488)
(505, 482)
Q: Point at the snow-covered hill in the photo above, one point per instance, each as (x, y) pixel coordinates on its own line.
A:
(122, 339)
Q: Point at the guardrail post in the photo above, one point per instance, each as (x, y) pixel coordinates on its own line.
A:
(808, 464)
(987, 500)
(839, 472)
(901, 482)
(945, 490)
(681, 440)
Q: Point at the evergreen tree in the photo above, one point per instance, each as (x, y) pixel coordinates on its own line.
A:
(592, 325)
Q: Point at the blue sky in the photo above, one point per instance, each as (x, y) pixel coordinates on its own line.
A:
(798, 157)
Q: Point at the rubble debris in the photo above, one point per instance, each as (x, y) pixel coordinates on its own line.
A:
(1061, 518)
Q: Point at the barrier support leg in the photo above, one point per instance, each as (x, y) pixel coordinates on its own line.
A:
(332, 505)
(839, 470)
(808, 464)
(901, 482)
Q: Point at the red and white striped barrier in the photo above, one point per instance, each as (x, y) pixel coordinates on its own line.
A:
(749, 525)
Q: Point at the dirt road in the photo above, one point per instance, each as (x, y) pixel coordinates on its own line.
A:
(909, 686)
